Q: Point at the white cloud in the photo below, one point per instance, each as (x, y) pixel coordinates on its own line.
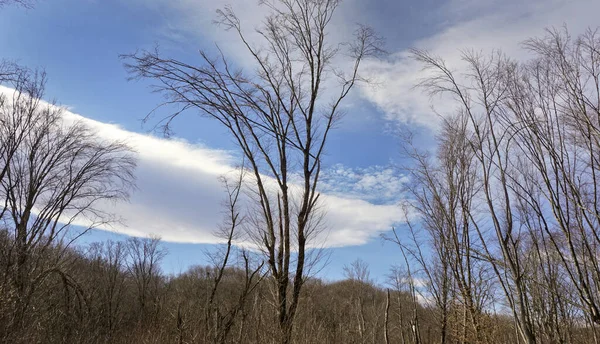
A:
(478, 25)
(352, 221)
(179, 197)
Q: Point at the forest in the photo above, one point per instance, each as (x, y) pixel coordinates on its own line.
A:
(501, 238)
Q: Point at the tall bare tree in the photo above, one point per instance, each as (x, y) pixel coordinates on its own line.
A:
(53, 173)
(556, 100)
(480, 104)
(280, 117)
(443, 188)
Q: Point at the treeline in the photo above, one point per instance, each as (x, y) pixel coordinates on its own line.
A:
(115, 292)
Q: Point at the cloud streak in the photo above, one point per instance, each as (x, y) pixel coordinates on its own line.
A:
(179, 196)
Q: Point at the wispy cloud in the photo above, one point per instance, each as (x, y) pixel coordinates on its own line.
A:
(481, 25)
(376, 184)
(478, 25)
(193, 23)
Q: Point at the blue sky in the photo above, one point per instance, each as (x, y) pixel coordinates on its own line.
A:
(78, 43)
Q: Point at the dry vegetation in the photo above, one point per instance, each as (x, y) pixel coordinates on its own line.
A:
(502, 245)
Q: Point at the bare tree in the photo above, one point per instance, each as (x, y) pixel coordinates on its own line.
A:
(556, 98)
(481, 106)
(398, 280)
(22, 3)
(53, 173)
(443, 189)
(280, 118)
(9, 71)
(143, 264)
(386, 330)
(110, 282)
(436, 273)
(358, 273)
(19, 112)
(409, 279)
(219, 318)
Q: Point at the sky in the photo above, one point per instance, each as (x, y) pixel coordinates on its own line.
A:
(178, 196)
